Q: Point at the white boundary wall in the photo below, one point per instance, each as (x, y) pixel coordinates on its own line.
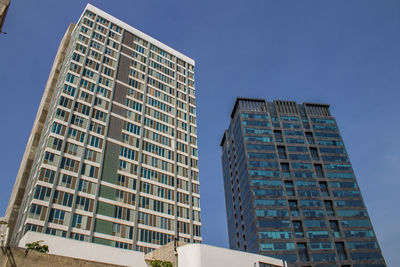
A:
(85, 250)
(200, 255)
(190, 255)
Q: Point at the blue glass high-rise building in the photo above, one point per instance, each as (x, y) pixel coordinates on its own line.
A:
(290, 189)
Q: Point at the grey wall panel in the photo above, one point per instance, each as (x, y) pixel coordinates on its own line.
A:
(123, 69)
(118, 110)
(111, 162)
(128, 38)
(127, 50)
(115, 128)
(120, 94)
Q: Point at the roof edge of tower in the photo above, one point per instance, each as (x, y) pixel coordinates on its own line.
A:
(317, 104)
(238, 99)
(138, 33)
(223, 139)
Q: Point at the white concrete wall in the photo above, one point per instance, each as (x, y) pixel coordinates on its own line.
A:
(200, 255)
(84, 250)
(190, 255)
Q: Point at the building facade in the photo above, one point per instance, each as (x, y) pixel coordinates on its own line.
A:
(290, 189)
(112, 156)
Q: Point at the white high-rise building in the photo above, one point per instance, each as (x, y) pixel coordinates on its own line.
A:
(112, 157)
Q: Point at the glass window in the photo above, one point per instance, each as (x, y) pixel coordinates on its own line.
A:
(289, 118)
(294, 210)
(315, 223)
(257, 131)
(255, 155)
(369, 256)
(320, 120)
(259, 147)
(324, 128)
(332, 150)
(255, 116)
(274, 223)
(42, 193)
(266, 182)
(264, 164)
(329, 143)
(272, 213)
(285, 170)
(323, 257)
(310, 203)
(342, 175)
(328, 135)
(289, 188)
(275, 121)
(346, 194)
(268, 192)
(343, 184)
(318, 170)
(297, 133)
(310, 138)
(296, 165)
(340, 250)
(320, 245)
(295, 140)
(308, 193)
(314, 153)
(291, 125)
(254, 173)
(318, 234)
(278, 136)
(355, 223)
(303, 157)
(302, 249)
(297, 148)
(346, 167)
(335, 228)
(282, 152)
(306, 184)
(298, 229)
(361, 244)
(335, 159)
(352, 213)
(329, 208)
(256, 123)
(303, 174)
(359, 233)
(305, 123)
(313, 213)
(286, 257)
(324, 189)
(348, 203)
(270, 202)
(276, 235)
(277, 246)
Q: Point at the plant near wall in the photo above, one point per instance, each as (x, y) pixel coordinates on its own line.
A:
(35, 246)
(158, 263)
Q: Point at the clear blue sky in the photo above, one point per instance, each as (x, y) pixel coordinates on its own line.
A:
(343, 52)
